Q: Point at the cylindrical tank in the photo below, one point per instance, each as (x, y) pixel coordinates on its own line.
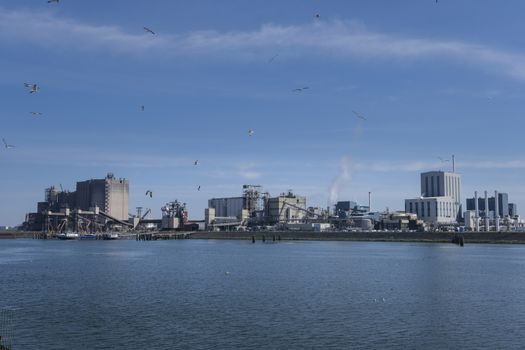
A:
(366, 224)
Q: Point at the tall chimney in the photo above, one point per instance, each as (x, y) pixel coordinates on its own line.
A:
(369, 201)
(487, 222)
(476, 209)
(496, 210)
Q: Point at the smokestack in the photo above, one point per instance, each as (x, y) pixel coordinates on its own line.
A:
(369, 201)
(453, 164)
(496, 211)
(487, 222)
(476, 209)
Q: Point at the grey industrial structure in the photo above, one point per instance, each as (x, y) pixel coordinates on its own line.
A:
(505, 209)
(287, 207)
(255, 207)
(440, 200)
(491, 213)
(94, 205)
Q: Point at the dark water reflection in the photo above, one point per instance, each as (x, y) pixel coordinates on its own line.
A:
(227, 294)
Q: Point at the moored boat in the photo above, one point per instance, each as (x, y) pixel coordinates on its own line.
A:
(110, 236)
(68, 235)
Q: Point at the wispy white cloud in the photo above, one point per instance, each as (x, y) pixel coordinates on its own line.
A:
(336, 38)
(90, 156)
(416, 166)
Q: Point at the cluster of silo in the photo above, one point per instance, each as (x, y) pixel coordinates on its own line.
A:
(486, 213)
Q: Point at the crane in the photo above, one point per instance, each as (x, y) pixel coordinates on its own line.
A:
(145, 214)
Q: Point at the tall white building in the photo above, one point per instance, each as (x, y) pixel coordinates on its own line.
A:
(441, 184)
(440, 201)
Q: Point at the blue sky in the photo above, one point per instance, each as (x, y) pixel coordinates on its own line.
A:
(431, 79)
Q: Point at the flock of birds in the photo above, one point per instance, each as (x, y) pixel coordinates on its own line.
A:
(35, 88)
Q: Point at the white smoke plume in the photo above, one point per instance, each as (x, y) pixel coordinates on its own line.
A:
(344, 177)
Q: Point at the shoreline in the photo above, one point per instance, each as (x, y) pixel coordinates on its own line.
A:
(416, 237)
(269, 236)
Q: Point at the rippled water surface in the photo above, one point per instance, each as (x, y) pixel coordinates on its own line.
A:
(228, 294)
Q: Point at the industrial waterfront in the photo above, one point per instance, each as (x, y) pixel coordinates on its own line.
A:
(99, 209)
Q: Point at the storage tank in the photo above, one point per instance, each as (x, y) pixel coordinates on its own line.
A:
(366, 224)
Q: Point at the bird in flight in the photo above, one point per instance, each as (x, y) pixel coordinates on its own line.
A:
(250, 132)
(300, 89)
(317, 15)
(149, 31)
(36, 113)
(34, 87)
(273, 57)
(51, 1)
(443, 160)
(148, 192)
(142, 108)
(359, 115)
(199, 188)
(196, 162)
(6, 145)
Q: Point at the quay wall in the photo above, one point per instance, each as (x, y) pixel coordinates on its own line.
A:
(470, 237)
(445, 237)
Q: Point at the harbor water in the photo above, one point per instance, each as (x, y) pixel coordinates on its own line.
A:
(210, 294)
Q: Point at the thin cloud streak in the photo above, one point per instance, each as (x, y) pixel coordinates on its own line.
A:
(417, 166)
(340, 39)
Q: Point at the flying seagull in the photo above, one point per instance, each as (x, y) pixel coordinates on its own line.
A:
(6, 145)
(51, 1)
(443, 160)
(317, 15)
(273, 57)
(148, 192)
(250, 132)
(149, 31)
(300, 89)
(359, 115)
(36, 113)
(142, 108)
(34, 87)
(196, 162)
(199, 188)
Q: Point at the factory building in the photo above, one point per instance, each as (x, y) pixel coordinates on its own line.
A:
(343, 209)
(56, 200)
(505, 209)
(286, 208)
(440, 210)
(230, 212)
(440, 201)
(94, 204)
(109, 194)
(441, 184)
(513, 210)
(227, 207)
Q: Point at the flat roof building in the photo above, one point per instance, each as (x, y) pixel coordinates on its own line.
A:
(440, 200)
(286, 208)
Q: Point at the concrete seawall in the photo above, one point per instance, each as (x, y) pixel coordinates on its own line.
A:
(16, 234)
(446, 237)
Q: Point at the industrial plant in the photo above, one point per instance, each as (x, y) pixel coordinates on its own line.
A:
(100, 206)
